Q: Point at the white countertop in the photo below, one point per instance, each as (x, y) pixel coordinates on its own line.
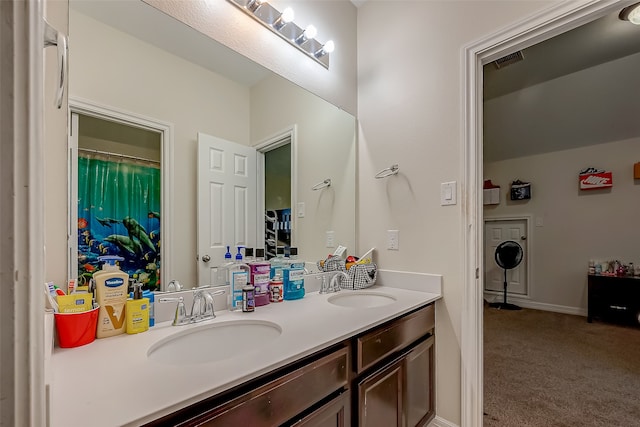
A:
(111, 382)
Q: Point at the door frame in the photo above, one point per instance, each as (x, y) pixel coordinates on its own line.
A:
(528, 220)
(113, 114)
(272, 142)
(538, 27)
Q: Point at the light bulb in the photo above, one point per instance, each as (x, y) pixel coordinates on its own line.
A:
(327, 48)
(634, 16)
(309, 33)
(285, 17)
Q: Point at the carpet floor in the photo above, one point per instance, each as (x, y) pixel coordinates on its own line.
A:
(549, 369)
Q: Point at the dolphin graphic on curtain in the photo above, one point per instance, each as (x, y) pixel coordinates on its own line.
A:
(119, 214)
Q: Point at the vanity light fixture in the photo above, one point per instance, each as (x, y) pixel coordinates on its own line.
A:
(282, 24)
(631, 14)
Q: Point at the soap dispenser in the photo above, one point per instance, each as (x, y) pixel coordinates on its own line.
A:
(222, 275)
(238, 279)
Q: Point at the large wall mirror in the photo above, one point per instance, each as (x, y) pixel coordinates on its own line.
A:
(165, 86)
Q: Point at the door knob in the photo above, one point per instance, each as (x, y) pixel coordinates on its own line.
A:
(206, 258)
(521, 238)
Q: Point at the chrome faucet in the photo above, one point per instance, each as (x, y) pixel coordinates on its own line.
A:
(332, 285)
(201, 309)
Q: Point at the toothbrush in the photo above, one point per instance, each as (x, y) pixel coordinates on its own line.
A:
(52, 300)
(363, 258)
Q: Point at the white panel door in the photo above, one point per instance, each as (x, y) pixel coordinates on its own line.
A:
(226, 202)
(496, 232)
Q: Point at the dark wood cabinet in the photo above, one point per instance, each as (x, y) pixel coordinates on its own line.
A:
(397, 365)
(335, 413)
(614, 299)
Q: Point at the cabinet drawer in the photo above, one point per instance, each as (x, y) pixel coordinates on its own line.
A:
(378, 344)
(280, 400)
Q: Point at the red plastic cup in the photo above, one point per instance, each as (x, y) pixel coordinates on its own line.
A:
(76, 329)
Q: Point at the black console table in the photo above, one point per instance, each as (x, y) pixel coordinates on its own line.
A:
(614, 299)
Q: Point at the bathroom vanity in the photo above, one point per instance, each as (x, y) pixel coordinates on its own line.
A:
(351, 358)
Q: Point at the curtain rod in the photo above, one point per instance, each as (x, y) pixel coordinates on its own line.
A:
(125, 156)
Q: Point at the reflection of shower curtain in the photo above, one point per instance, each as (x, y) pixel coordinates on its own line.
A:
(119, 214)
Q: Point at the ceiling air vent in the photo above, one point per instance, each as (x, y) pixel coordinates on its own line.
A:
(509, 59)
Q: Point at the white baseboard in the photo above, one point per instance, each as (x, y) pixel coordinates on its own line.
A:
(527, 303)
(441, 422)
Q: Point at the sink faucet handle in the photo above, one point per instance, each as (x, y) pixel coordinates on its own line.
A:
(181, 317)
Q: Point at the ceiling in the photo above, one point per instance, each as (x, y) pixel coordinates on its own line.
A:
(573, 90)
(603, 40)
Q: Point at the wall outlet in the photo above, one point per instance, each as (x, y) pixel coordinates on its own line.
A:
(331, 239)
(393, 243)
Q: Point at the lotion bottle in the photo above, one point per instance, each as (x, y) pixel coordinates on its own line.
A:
(223, 271)
(111, 294)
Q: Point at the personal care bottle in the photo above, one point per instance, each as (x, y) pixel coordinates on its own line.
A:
(111, 294)
(277, 262)
(137, 311)
(222, 274)
(238, 278)
(151, 296)
(259, 278)
(248, 255)
(293, 280)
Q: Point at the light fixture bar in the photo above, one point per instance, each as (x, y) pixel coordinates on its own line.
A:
(280, 23)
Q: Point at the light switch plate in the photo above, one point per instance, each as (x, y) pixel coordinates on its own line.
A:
(448, 194)
(393, 237)
(300, 209)
(331, 239)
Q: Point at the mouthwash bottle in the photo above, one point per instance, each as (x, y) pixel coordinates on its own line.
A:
(260, 275)
(293, 276)
(277, 263)
(238, 279)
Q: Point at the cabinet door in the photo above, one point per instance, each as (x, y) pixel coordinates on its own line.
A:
(419, 372)
(335, 413)
(380, 400)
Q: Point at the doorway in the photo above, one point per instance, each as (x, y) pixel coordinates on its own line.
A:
(497, 231)
(544, 25)
(119, 193)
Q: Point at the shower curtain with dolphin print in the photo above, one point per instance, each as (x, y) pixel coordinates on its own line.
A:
(119, 214)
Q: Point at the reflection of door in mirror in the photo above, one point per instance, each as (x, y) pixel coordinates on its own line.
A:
(116, 198)
(277, 198)
(227, 194)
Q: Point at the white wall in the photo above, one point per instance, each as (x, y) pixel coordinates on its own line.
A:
(410, 113)
(334, 20)
(326, 149)
(109, 67)
(577, 225)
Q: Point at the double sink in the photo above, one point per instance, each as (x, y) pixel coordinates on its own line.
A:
(219, 341)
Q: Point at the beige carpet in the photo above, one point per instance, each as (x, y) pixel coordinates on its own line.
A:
(548, 369)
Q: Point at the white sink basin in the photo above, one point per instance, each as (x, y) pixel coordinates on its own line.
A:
(213, 342)
(361, 299)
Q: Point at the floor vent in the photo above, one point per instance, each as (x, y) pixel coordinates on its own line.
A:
(509, 59)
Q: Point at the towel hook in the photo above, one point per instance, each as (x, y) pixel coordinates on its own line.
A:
(394, 169)
(324, 184)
